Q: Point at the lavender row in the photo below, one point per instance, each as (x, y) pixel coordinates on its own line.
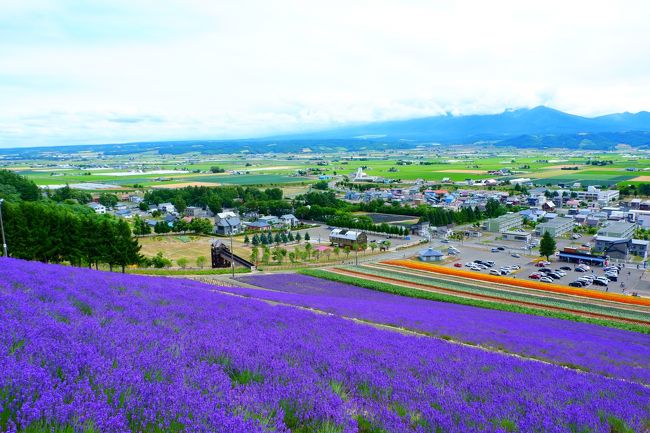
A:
(607, 351)
(93, 351)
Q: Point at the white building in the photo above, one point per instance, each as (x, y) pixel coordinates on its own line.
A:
(167, 207)
(600, 195)
(97, 207)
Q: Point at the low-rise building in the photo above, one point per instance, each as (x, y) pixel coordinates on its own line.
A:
(618, 229)
(430, 255)
(516, 236)
(347, 238)
(556, 227)
(289, 220)
(167, 207)
(97, 207)
(600, 195)
(227, 226)
(503, 223)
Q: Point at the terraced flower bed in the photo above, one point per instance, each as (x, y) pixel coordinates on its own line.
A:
(521, 283)
(503, 294)
(87, 351)
(583, 346)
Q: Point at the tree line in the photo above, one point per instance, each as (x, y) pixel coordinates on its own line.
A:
(37, 227)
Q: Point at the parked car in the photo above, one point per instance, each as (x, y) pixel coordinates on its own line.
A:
(598, 282)
(535, 276)
(565, 268)
(516, 255)
(494, 250)
(501, 248)
(515, 266)
(458, 265)
(445, 241)
(494, 272)
(554, 275)
(546, 280)
(576, 284)
(611, 277)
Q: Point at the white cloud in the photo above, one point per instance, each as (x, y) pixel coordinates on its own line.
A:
(123, 71)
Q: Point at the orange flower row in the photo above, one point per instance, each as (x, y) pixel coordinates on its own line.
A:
(520, 283)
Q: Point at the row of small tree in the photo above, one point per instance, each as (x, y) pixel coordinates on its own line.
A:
(279, 238)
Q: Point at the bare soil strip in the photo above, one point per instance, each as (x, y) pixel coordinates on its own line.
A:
(641, 179)
(436, 289)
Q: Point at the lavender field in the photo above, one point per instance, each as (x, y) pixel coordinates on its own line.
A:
(88, 351)
(607, 351)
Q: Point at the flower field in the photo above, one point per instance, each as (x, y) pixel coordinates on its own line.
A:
(411, 264)
(539, 299)
(612, 352)
(88, 351)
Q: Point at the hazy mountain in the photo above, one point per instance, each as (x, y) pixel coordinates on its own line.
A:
(494, 127)
(539, 127)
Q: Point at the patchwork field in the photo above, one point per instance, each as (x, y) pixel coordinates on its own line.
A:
(95, 351)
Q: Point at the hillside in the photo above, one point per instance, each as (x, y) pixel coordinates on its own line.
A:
(93, 351)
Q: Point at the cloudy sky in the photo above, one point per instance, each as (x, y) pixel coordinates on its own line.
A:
(106, 71)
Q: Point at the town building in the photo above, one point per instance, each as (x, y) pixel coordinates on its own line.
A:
(196, 212)
(167, 207)
(430, 255)
(289, 220)
(503, 223)
(228, 226)
(97, 207)
(516, 236)
(623, 230)
(600, 195)
(556, 227)
(347, 238)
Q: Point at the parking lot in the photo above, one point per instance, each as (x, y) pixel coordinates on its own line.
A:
(629, 279)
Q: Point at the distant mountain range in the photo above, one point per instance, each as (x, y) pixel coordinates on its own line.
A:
(540, 127)
(536, 122)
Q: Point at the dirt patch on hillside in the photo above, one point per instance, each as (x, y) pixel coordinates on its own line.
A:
(463, 171)
(641, 179)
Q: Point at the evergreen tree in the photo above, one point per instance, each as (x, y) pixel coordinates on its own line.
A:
(307, 237)
(127, 249)
(547, 245)
(284, 238)
(290, 237)
(277, 239)
(256, 240)
(246, 240)
(298, 237)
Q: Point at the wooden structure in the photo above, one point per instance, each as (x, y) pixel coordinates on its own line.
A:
(222, 257)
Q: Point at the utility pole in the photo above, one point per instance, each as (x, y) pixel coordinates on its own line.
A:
(232, 253)
(2, 229)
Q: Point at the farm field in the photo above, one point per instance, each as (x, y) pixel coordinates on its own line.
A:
(455, 165)
(96, 351)
(579, 345)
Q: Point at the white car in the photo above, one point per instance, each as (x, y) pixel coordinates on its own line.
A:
(546, 280)
(494, 272)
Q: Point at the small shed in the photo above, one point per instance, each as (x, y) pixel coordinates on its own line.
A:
(430, 255)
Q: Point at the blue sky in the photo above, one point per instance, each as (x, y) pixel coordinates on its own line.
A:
(75, 72)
